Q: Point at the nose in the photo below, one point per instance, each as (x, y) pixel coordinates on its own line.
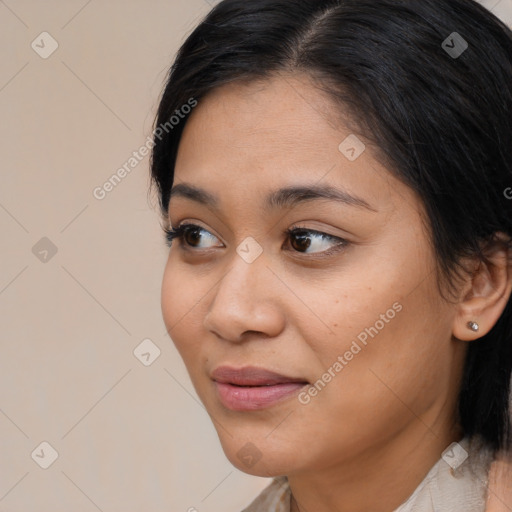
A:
(246, 300)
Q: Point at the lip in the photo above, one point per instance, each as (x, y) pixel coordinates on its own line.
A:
(251, 388)
(251, 376)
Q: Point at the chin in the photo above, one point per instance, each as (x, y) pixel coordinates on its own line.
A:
(263, 468)
(258, 458)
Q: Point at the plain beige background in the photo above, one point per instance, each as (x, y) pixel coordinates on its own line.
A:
(80, 276)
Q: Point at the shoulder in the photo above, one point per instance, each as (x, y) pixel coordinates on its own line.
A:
(458, 481)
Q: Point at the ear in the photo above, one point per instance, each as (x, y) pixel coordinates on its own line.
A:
(486, 291)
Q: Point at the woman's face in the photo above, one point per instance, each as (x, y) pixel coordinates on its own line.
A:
(346, 309)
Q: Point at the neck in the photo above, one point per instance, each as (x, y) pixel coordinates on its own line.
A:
(380, 479)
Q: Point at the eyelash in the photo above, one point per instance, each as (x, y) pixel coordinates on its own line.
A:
(179, 233)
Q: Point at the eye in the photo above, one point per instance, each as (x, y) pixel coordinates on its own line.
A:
(302, 240)
(188, 235)
(310, 241)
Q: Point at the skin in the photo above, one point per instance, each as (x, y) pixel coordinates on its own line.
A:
(293, 312)
(499, 498)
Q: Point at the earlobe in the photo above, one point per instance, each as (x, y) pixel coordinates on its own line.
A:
(486, 292)
(473, 326)
(467, 331)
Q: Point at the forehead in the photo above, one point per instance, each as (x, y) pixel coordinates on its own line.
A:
(244, 139)
(284, 113)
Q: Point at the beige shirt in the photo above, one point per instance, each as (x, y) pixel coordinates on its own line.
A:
(456, 483)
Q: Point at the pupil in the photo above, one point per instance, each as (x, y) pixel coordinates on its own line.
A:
(195, 235)
(304, 241)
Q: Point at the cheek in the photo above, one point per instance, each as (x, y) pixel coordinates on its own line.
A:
(379, 320)
(354, 309)
(181, 301)
(390, 360)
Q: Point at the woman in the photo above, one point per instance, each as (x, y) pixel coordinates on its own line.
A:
(333, 180)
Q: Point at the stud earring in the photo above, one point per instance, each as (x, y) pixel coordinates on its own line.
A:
(473, 326)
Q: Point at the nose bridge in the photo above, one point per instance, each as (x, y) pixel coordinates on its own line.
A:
(242, 300)
(240, 282)
(248, 263)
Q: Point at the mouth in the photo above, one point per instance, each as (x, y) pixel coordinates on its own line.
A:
(251, 388)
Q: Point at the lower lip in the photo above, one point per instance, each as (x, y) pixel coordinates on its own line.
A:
(242, 398)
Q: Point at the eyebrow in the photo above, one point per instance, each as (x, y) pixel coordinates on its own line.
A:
(282, 198)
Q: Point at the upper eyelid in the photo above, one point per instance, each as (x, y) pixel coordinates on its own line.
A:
(312, 230)
(184, 225)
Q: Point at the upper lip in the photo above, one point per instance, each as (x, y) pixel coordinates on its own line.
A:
(251, 376)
